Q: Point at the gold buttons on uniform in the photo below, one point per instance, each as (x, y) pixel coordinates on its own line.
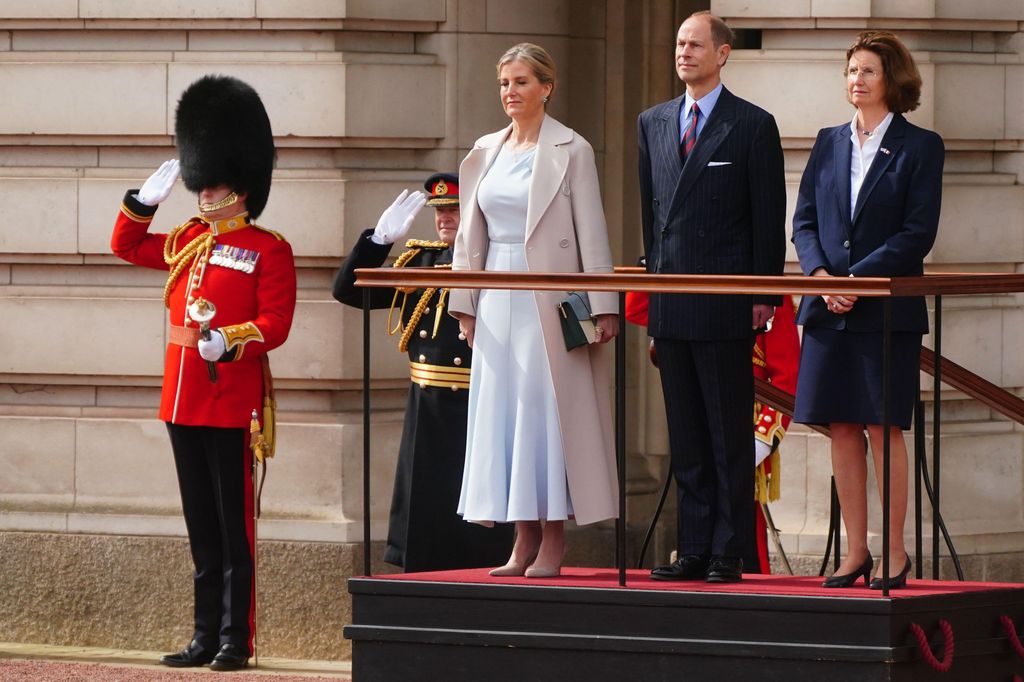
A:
(761, 429)
(426, 311)
(455, 387)
(423, 333)
(457, 361)
(423, 384)
(423, 358)
(768, 418)
(462, 337)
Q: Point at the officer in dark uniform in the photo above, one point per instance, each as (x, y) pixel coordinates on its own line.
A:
(425, 532)
(216, 371)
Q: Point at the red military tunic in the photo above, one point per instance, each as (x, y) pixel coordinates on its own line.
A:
(248, 273)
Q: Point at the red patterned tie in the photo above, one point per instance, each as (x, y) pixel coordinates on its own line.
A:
(690, 134)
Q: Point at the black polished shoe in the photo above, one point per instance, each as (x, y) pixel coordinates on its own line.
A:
(725, 569)
(230, 657)
(191, 656)
(849, 579)
(686, 567)
(895, 581)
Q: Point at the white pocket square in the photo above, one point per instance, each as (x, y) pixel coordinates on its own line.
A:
(719, 163)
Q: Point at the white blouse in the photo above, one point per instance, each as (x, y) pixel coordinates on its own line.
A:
(862, 157)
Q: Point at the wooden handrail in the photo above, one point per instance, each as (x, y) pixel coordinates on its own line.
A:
(982, 390)
(781, 400)
(629, 279)
(636, 279)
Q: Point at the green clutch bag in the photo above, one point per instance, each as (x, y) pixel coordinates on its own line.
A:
(577, 322)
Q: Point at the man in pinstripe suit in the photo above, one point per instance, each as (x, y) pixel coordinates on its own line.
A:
(713, 201)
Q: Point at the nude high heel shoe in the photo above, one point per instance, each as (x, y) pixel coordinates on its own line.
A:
(512, 568)
(535, 571)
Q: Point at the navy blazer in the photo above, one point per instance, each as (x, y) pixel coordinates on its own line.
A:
(892, 228)
(723, 213)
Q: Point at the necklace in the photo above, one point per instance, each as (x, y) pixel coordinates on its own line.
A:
(520, 152)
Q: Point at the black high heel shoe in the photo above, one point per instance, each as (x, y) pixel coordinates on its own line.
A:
(849, 579)
(895, 581)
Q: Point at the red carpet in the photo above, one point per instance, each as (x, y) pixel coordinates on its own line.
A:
(776, 585)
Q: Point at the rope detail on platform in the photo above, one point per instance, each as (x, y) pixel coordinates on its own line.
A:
(926, 650)
(1011, 634)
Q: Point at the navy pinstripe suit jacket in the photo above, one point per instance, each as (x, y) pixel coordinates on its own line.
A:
(721, 213)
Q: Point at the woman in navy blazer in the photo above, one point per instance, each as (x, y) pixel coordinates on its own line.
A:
(868, 207)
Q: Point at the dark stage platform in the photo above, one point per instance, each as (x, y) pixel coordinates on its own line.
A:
(466, 626)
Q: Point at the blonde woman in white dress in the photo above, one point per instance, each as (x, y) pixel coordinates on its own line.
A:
(539, 446)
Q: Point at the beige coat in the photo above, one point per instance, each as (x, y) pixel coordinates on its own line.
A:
(564, 225)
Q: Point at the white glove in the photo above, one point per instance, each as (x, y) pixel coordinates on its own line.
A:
(397, 218)
(214, 348)
(761, 450)
(159, 185)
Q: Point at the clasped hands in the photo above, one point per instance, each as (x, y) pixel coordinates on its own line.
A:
(838, 304)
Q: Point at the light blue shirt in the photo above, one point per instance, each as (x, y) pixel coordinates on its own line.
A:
(706, 104)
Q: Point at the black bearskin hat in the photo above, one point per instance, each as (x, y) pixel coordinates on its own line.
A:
(224, 138)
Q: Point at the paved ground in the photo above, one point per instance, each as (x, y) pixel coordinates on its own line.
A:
(44, 663)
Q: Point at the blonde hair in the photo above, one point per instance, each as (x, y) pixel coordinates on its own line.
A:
(534, 56)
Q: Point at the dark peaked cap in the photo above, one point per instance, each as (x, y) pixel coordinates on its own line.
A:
(224, 138)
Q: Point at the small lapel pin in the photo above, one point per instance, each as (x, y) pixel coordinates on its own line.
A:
(884, 150)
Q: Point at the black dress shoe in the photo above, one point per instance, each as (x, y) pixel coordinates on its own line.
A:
(725, 569)
(191, 656)
(849, 579)
(230, 657)
(895, 581)
(686, 567)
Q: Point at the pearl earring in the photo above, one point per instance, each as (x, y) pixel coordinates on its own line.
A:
(545, 99)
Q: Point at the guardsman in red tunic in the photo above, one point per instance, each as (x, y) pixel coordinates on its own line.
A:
(230, 294)
(776, 358)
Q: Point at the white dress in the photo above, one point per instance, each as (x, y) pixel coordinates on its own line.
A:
(515, 467)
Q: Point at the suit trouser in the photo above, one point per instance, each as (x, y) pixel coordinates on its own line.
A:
(214, 477)
(709, 396)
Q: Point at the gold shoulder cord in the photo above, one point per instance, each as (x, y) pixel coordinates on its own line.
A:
(180, 260)
(415, 246)
(399, 263)
(417, 313)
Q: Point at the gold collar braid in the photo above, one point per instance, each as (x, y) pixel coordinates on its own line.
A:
(198, 247)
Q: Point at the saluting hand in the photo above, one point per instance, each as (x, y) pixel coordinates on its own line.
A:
(397, 218)
(159, 185)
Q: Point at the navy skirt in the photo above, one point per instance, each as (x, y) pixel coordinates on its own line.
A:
(840, 377)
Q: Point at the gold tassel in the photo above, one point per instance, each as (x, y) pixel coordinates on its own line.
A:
(440, 311)
(760, 484)
(775, 487)
(269, 426)
(256, 441)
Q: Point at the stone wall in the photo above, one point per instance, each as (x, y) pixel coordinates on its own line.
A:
(367, 97)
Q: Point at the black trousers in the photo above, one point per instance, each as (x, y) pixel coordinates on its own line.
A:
(214, 477)
(709, 398)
